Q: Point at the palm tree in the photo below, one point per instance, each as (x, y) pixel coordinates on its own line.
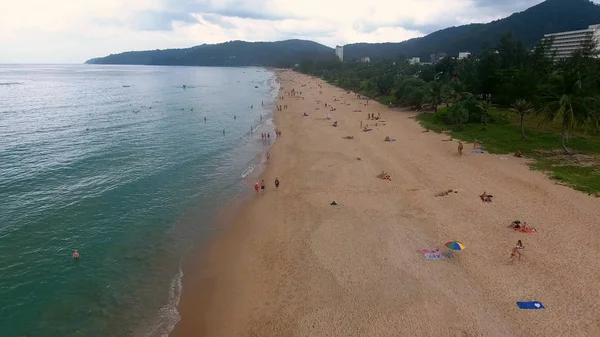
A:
(434, 94)
(522, 107)
(458, 91)
(565, 99)
(484, 108)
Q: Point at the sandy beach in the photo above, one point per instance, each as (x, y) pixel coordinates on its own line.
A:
(290, 264)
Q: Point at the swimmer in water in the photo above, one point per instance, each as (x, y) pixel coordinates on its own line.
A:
(76, 254)
(205, 119)
(223, 131)
(234, 117)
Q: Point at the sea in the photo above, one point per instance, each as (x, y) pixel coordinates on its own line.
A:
(129, 165)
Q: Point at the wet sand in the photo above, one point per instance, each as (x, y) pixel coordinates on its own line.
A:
(287, 263)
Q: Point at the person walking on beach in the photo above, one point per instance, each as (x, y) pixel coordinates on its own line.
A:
(515, 251)
(256, 187)
(460, 148)
(276, 184)
(262, 185)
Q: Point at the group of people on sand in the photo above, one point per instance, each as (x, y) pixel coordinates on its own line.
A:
(384, 176)
(261, 188)
(282, 107)
(371, 116)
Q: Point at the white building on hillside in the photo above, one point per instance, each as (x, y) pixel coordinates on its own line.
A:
(463, 55)
(565, 43)
(414, 60)
(339, 52)
(365, 59)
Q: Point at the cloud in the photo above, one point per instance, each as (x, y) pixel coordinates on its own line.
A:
(73, 31)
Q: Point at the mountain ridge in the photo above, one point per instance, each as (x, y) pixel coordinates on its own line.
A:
(528, 26)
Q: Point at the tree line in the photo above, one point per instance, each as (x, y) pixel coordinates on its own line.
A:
(507, 75)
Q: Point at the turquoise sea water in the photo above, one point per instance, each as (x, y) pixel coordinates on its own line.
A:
(118, 162)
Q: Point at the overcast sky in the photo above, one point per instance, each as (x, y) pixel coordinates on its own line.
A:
(72, 31)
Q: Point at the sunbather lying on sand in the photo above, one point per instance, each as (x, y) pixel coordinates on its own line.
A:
(348, 137)
(388, 139)
(515, 224)
(522, 227)
(367, 129)
(305, 114)
(486, 197)
(519, 154)
(383, 175)
(335, 124)
(444, 193)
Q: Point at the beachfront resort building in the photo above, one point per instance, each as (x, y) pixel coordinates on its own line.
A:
(339, 52)
(564, 44)
(365, 59)
(414, 60)
(463, 55)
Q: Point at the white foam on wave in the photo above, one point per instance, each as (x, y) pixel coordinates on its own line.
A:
(248, 170)
(168, 316)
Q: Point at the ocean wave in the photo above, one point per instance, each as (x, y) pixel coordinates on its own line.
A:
(248, 170)
(168, 316)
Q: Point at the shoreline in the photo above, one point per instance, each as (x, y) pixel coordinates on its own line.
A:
(199, 264)
(288, 264)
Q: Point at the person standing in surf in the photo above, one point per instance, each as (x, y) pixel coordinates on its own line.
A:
(256, 187)
(262, 185)
(276, 184)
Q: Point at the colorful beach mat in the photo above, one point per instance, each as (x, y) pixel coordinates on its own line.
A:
(533, 305)
(433, 254)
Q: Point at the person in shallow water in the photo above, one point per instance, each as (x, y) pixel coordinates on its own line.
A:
(76, 254)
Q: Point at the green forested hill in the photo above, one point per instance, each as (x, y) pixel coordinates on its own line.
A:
(528, 26)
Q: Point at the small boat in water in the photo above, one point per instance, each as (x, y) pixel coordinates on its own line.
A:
(126, 86)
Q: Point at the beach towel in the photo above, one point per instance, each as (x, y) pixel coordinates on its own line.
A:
(434, 256)
(533, 305)
(334, 203)
(478, 151)
(523, 230)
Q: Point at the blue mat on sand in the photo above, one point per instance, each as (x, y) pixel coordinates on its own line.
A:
(530, 305)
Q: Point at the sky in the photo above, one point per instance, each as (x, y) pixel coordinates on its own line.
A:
(72, 31)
